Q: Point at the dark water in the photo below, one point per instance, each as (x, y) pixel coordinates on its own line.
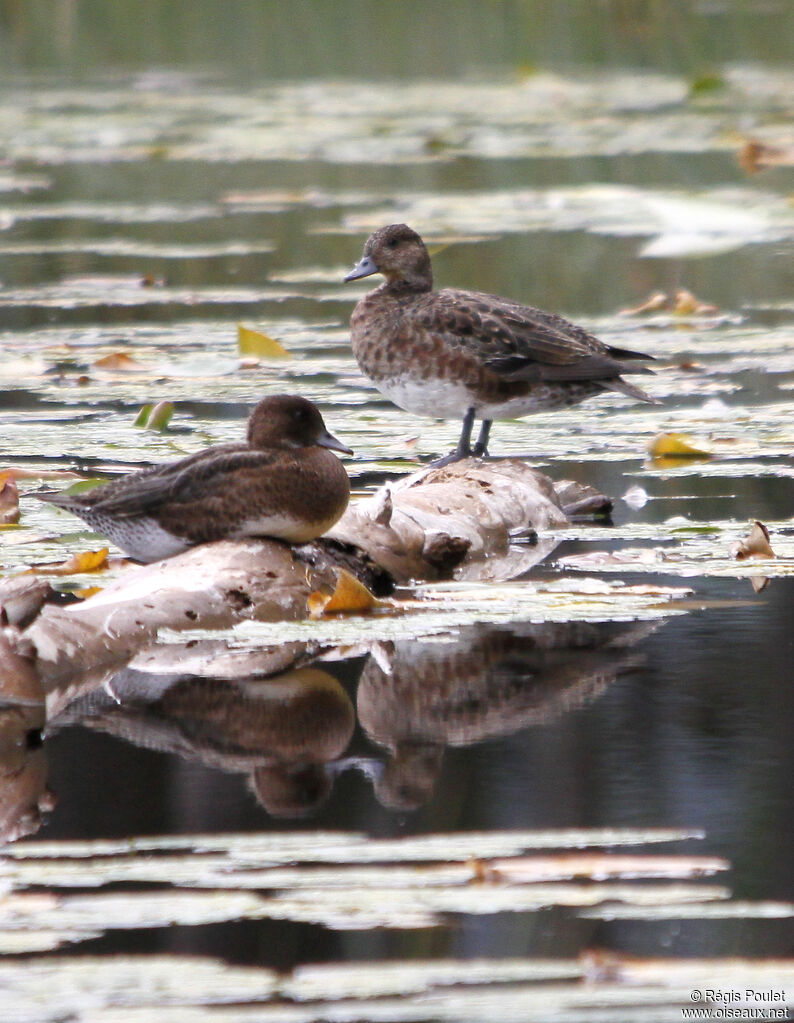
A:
(686, 727)
(687, 724)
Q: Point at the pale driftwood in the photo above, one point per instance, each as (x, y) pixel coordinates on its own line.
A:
(211, 586)
(451, 521)
(459, 520)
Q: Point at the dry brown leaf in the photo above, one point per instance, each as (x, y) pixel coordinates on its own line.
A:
(676, 445)
(686, 304)
(755, 156)
(87, 561)
(349, 597)
(754, 545)
(9, 499)
(653, 304)
(119, 361)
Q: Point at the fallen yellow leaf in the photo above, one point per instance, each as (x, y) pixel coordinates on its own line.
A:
(682, 303)
(686, 304)
(87, 591)
(349, 596)
(87, 561)
(678, 445)
(253, 342)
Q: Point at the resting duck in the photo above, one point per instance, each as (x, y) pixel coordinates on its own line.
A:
(282, 482)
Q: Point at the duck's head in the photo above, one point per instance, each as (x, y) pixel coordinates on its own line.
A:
(400, 255)
(289, 421)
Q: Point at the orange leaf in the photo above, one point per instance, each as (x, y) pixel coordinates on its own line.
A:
(119, 361)
(349, 596)
(87, 561)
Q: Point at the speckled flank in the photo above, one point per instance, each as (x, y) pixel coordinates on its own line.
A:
(140, 538)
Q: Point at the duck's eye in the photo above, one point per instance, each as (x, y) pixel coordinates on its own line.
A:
(393, 243)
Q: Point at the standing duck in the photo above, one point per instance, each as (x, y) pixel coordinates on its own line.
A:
(282, 482)
(454, 353)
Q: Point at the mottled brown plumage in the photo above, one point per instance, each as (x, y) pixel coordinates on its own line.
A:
(453, 353)
(282, 482)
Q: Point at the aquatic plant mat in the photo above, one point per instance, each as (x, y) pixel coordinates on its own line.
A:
(55, 898)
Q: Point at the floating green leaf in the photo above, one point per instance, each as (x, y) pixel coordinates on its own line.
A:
(155, 416)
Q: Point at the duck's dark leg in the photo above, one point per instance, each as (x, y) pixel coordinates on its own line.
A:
(463, 450)
(481, 447)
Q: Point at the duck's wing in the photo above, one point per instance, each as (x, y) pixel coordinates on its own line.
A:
(521, 342)
(204, 474)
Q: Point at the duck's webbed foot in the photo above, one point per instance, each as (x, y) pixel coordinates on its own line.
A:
(456, 455)
(463, 450)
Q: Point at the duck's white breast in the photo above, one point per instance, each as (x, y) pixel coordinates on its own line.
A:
(446, 399)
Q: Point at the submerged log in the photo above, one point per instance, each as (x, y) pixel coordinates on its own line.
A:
(459, 521)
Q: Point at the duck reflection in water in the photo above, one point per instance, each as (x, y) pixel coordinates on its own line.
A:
(279, 727)
(417, 698)
(288, 724)
(24, 796)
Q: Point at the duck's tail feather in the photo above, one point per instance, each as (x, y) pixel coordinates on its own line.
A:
(624, 387)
